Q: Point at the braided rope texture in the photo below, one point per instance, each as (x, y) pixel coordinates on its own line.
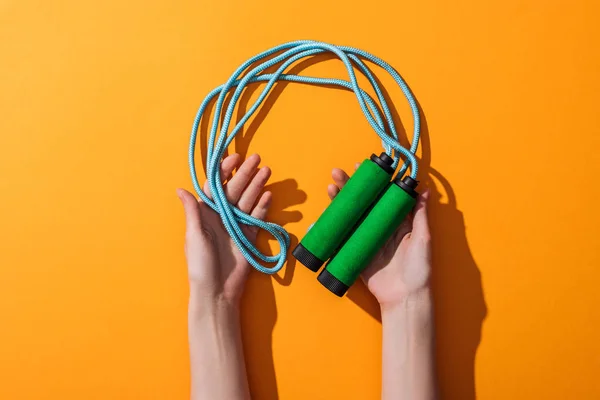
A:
(220, 137)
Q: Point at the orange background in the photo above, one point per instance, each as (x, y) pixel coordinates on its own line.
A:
(97, 100)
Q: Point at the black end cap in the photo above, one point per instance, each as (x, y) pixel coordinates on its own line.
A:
(408, 184)
(306, 258)
(333, 284)
(384, 161)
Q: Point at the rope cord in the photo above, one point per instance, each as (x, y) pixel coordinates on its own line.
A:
(220, 138)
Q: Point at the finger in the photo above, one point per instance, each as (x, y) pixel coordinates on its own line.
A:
(252, 191)
(420, 223)
(339, 177)
(228, 164)
(236, 185)
(262, 207)
(356, 166)
(332, 190)
(191, 208)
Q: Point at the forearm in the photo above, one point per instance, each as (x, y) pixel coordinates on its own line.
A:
(408, 349)
(217, 360)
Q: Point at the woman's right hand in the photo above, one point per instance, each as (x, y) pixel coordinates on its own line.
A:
(402, 268)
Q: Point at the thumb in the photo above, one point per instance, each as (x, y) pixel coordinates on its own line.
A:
(420, 223)
(192, 211)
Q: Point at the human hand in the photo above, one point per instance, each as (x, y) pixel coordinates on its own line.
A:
(216, 268)
(402, 268)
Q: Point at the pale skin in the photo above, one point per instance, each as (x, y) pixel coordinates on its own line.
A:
(398, 278)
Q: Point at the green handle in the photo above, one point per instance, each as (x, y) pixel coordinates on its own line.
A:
(361, 247)
(346, 209)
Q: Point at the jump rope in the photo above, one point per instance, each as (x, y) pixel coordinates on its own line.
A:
(366, 211)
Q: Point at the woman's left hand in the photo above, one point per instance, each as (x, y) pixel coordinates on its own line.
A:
(217, 270)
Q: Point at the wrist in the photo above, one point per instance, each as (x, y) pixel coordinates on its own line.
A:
(215, 343)
(203, 305)
(408, 347)
(418, 303)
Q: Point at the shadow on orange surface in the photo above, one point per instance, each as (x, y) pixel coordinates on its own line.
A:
(458, 293)
(460, 307)
(459, 301)
(257, 327)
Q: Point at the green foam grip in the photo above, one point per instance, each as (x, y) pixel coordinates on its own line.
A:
(346, 209)
(369, 237)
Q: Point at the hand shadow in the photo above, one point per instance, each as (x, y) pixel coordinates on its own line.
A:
(259, 312)
(459, 302)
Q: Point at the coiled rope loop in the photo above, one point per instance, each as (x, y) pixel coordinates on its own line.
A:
(219, 139)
